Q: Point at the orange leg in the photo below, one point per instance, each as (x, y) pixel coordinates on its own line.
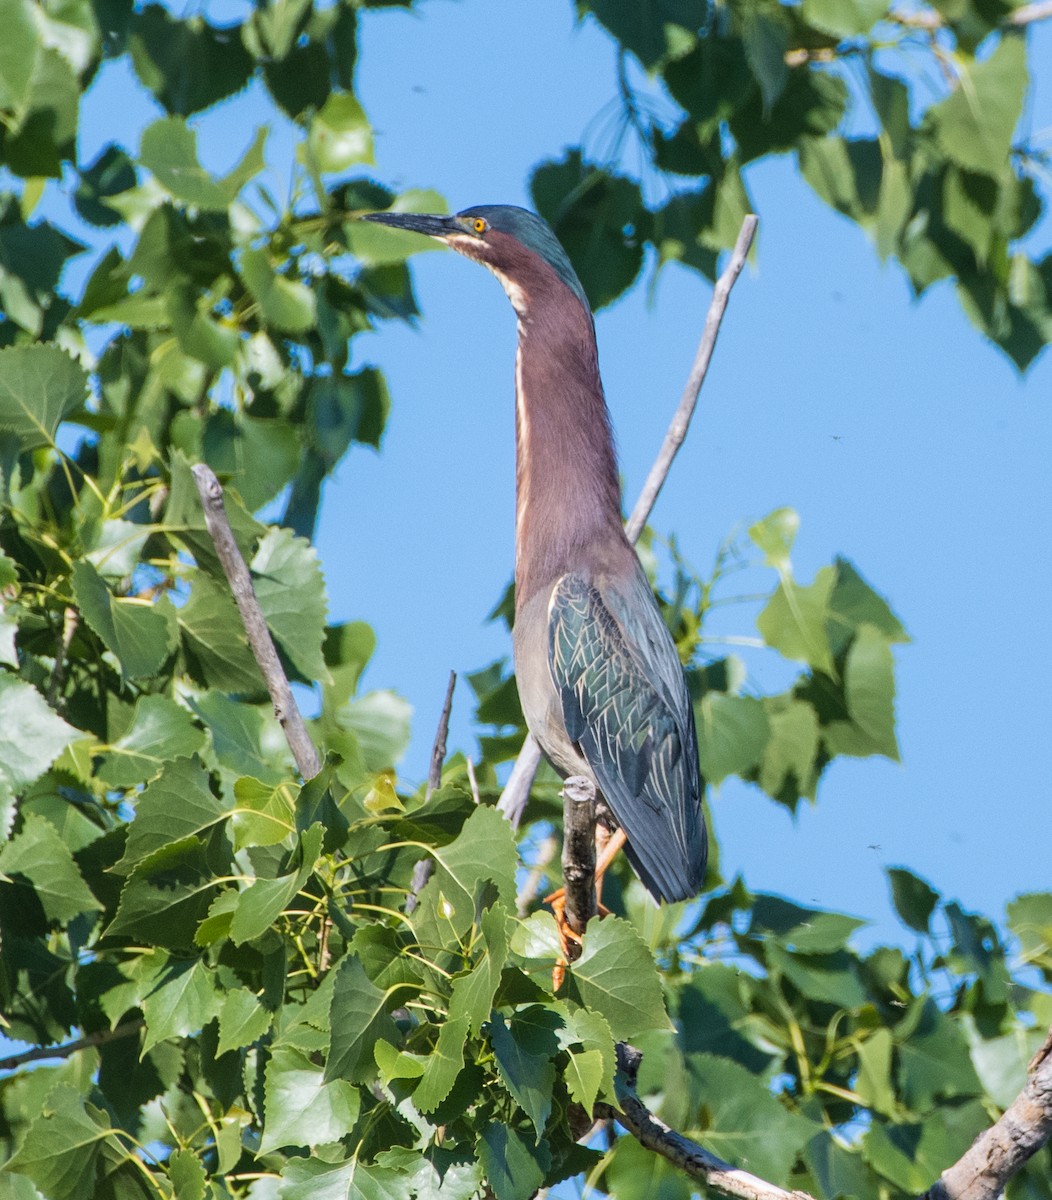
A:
(608, 846)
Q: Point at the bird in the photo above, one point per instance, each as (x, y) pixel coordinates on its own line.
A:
(599, 677)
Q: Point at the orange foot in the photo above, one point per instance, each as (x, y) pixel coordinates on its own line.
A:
(568, 939)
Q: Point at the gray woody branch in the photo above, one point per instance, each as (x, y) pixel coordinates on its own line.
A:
(259, 639)
(579, 851)
(980, 1174)
(513, 799)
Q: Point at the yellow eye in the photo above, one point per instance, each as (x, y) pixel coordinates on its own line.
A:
(479, 225)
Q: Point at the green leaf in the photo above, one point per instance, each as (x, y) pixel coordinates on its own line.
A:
(32, 735)
(933, 1061)
(136, 633)
(166, 896)
(512, 1167)
(291, 592)
(853, 604)
(472, 994)
(246, 739)
(787, 769)
(302, 1109)
(914, 899)
(39, 386)
(342, 409)
(873, 1083)
(616, 977)
(358, 1018)
(869, 687)
(214, 639)
(732, 734)
(179, 1001)
(793, 621)
(839, 1170)
(743, 1122)
(242, 1020)
(262, 815)
(19, 49)
(188, 1175)
(340, 135)
(379, 245)
(775, 536)
(63, 1145)
(160, 731)
(808, 930)
(974, 125)
(844, 18)
(485, 850)
(263, 901)
(444, 1064)
(1030, 919)
(169, 150)
(590, 1073)
(529, 1077)
(911, 1156)
(650, 31)
(765, 34)
(635, 1173)
(286, 304)
(40, 862)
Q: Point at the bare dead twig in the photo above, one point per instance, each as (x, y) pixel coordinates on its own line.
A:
(259, 639)
(438, 750)
(42, 1053)
(70, 621)
(513, 799)
(424, 869)
(545, 853)
(473, 783)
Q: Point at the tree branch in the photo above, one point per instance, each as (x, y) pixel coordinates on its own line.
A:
(513, 799)
(579, 851)
(42, 1053)
(980, 1174)
(259, 639)
(425, 868)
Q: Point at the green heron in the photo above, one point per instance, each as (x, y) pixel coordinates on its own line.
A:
(601, 683)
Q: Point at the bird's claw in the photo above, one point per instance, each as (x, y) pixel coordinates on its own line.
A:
(569, 939)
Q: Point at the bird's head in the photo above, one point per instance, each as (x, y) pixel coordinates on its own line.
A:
(515, 244)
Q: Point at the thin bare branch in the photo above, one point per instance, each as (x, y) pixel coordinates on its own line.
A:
(473, 783)
(980, 1174)
(42, 1053)
(438, 750)
(259, 639)
(513, 799)
(70, 620)
(579, 851)
(545, 853)
(425, 868)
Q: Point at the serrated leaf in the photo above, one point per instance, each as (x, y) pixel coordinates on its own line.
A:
(62, 1146)
(616, 977)
(974, 125)
(291, 592)
(175, 805)
(869, 688)
(135, 633)
(807, 930)
(775, 536)
(934, 1061)
(472, 994)
(180, 1001)
(242, 1020)
(188, 1175)
(214, 638)
(743, 1122)
(286, 304)
(874, 1072)
(37, 859)
(911, 1156)
(444, 1064)
(39, 385)
(263, 901)
(167, 895)
(512, 1167)
(485, 850)
(262, 815)
(1030, 919)
(732, 734)
(160, 731)
(32, 735)
(340, 135)
(793, 621)
(302, 1108)
(358, 1018)
(528, 1077)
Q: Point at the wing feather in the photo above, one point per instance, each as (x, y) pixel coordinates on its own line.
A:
(626, 707)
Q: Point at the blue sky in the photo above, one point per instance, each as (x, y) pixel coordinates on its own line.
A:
(903, 440)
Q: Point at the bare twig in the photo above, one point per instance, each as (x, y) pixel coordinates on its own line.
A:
(513, 799)
(70, 621)
(473, 783)
(438, 750)
(425, 868)
(980, 1174)
(259, 639)
(545, 853)
(42, 1053)
(579, 851)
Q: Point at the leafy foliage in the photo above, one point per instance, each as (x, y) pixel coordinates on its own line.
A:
(932, 171)
(241, 998)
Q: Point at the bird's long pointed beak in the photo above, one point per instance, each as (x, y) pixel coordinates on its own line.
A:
(433, 226)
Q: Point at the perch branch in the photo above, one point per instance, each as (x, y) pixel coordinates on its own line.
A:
(42, 1053)
(425, 868)
(513, 799)
(980, 1174)
(259, 639)
(579, 851)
